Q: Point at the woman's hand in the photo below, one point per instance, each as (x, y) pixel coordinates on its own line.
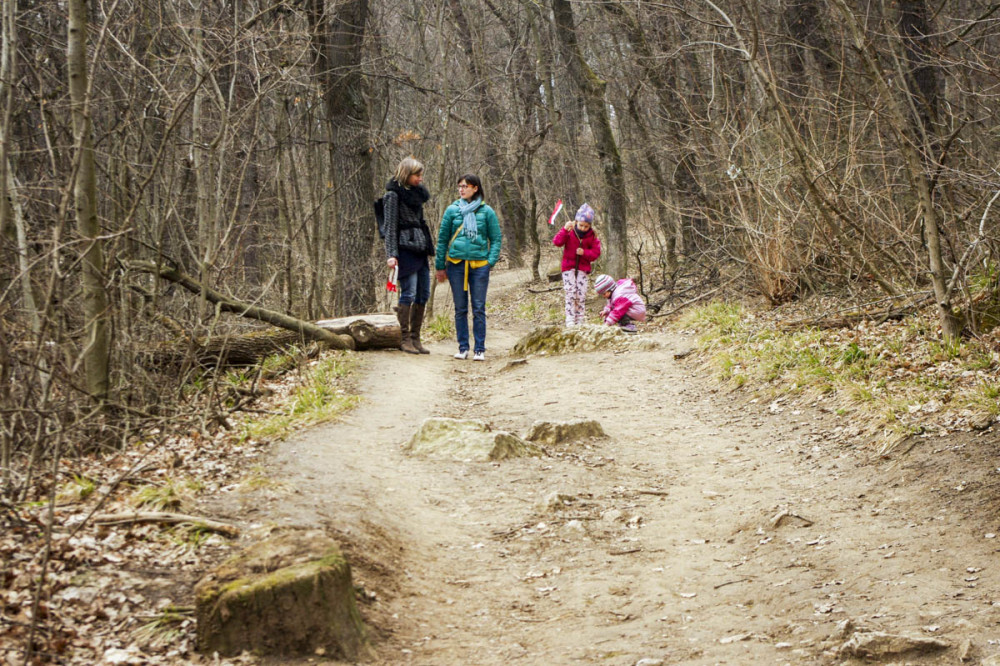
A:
(392, 262)
(441, 276)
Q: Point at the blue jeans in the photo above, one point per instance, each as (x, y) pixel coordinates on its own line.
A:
(479, 282)
(415, 287)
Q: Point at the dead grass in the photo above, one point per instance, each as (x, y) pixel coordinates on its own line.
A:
(895, 377)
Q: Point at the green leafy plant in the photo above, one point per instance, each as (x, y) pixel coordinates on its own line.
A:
(171, 495)
(77, 490)
(260, 479)
(441, 327)
(527, 309)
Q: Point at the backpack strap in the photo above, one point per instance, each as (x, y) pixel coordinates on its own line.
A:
(452, 242)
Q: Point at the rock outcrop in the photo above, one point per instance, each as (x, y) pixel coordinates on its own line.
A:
(560, 340)
(467, 439)
(551, 433)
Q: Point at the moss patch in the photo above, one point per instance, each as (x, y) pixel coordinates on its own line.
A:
(559, 340)
(291, 594)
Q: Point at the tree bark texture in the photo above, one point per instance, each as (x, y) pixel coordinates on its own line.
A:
(8, 59)
(338, 34)
(97, 344)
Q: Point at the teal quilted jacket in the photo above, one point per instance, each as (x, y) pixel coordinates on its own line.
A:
(486, 245)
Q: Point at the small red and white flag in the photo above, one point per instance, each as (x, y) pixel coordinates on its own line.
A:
(552, 217)
(393, 281)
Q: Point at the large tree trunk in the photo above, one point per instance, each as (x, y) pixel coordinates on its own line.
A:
(8, 56)
(338, 36)
(96, 350)
(592, 88)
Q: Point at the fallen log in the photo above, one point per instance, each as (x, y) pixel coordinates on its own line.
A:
(161, 517)
(847, 319)
(369, 331)
(851, 320)
(229, 304)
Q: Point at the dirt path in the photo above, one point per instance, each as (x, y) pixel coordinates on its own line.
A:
(667, 547)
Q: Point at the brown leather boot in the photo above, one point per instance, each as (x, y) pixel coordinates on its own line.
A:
(403, 315)
(416, 321)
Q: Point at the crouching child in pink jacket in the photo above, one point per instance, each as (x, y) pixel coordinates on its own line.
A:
(624, 306)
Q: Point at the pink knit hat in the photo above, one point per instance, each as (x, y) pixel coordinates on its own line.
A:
(603, 283)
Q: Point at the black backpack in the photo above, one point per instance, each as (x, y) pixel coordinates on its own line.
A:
(380, 217)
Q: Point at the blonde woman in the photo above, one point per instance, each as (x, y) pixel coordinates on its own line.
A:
(408, 245)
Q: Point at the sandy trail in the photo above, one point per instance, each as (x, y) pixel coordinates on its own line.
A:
(668, 547)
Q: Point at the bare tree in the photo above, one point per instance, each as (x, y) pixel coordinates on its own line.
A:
(338, 33)
(593, 89)
(97, 351)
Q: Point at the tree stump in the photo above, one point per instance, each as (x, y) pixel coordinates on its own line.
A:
(289, 595)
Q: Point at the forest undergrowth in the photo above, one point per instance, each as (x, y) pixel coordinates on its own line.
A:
(110, 584)
(891, 379)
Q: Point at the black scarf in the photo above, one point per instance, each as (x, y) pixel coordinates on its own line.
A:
(413, 197)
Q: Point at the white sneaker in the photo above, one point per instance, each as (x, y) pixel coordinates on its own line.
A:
(461, 356)
(479, 356)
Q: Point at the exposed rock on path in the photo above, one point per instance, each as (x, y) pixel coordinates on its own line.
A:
(467, 439)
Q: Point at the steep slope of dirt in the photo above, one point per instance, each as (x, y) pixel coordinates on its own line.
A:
(703, 530)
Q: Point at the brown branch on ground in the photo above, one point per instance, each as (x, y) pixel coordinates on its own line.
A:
(161, 517)
(229, 304)
(685, 303)
(855, 318)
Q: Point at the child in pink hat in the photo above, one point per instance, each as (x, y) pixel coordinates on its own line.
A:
(624, 306)
(581, 248)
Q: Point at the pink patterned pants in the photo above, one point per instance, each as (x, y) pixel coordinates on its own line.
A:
(575, 286)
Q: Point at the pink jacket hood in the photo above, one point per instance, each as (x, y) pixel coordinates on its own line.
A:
(624, 300)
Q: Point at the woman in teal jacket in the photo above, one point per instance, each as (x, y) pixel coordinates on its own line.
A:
(468, 247)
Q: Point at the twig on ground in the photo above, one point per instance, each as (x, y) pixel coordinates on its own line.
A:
(731, 582)
(166, 518)
(686, 303)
